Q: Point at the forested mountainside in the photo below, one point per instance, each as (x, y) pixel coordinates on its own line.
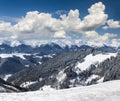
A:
(14, 59)
(63, 70)
(58, 67)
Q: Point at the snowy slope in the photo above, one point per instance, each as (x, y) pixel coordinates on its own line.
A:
(21, 55)
(109, 91)
(93, 59)
(7, 76)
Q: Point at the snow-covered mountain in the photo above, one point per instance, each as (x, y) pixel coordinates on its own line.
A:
(51, 48)
(38, 43)
(58, 66)
(61, 42)
(16, 57)
(75, 68)
(15, 62)
(108, 91)
(93, 60)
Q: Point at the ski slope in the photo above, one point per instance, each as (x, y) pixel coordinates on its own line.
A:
(108, 91)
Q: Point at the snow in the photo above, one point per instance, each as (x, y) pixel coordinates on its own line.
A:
(108, 91)
(7, 76)
(47, 88)
(61, 76)
(44, 56)
(72, 83)
(21, 55)
(27, 65)
(48, 56)
(26, 84)
(15, 43)
(40, 57)
(40, 79)
(34, 43)
(61, 42)
(95, 43)
(93, 59)
(92, 77)
(40, 62)
(100, 80)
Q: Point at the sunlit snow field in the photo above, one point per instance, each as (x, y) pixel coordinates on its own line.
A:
(108, 91)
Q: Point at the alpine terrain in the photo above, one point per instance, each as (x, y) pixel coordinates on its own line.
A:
(59, 50)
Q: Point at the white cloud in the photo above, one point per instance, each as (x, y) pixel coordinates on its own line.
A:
(5, 26)
(71, 22)
(115, 42)
(93, 20)
(107, 36)
(60, 34)
(38, 25)
(112, 24)
(95, 36)
(91, 34)
(96, 17)
(5, 31)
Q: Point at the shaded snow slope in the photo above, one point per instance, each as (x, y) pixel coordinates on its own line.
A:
(108, 91)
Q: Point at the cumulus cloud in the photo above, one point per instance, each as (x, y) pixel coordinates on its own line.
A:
(95, 36)
(38, 25)
(93, 20)
(115, 42)
(100, 41)
(44, 25)
(112, 24)
(5, 26)
(96, 17)
(6, 31)
(107, 36)
(91, 34)
(71, 22)
(60, 34)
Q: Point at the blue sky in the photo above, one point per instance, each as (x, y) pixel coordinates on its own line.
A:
(12, 11)
(18, 8)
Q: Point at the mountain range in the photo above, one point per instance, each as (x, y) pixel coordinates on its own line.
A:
(57, 66)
